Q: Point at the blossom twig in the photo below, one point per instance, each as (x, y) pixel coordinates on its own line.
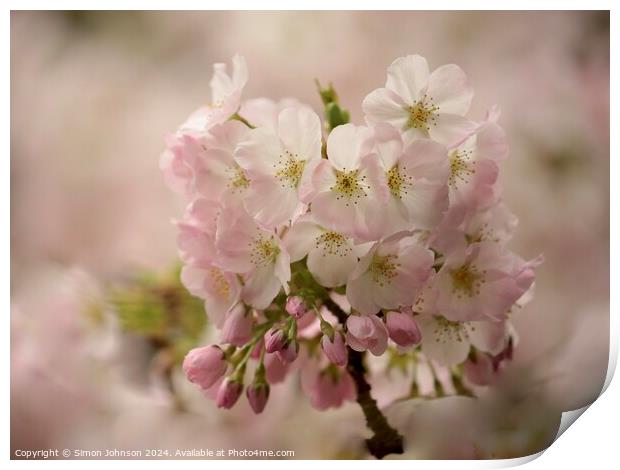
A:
(385, 440)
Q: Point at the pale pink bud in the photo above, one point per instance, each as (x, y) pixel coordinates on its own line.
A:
(204, 366)
(367, 332)
(335, 350)
(275, 368)
(275, 339)
(480, 371)
(295, 306)
(258, 394)
(228, 394)
(403, 329)
(289, 352)
(237, 328)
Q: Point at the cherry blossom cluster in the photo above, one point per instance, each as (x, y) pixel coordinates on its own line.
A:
(398, 222)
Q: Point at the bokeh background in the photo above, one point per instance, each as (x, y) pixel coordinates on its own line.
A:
(92, 94)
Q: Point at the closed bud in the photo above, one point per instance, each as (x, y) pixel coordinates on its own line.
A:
(403, 329)
(258, 394)
(289, 352)
(237, 328)
(478, 370)
(205, 366)
(228, 394)
(275, 340)
(335, 350)
(296, 307)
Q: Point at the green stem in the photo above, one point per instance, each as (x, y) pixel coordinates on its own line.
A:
(238, 117)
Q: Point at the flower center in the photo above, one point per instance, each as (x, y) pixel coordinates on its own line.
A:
(467, 280)
(383, 269)
(460, 168)
(237, 181)
(291, 167)
(446, 330)
(219, 282)
(264, 250)
(399, 183)
(333, 243)
(349, 185)
(422, 114)
(483, 234)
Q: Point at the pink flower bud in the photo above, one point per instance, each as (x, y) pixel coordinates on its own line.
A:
(258, 394)
(228, 394)
(403, 329)
(295, 306)
(328, 388)
(289, 352)
(367, 332)
(275, 340)
(204, 366)
(276, 369)
(480, 371)
(237, 327)
(335, 350)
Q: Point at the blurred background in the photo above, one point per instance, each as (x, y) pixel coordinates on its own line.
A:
(92, 94)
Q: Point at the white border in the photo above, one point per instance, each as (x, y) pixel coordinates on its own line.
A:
(591, 442)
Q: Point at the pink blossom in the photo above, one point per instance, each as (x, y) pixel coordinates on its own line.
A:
(228, 393)
(335, 349)
(416, 176)
(423, 105)
(245, 247)
(279, 165)
(474, 167)
(367, 332)
(220, 289)
(481, 282)
(327, 388)
(403, 329)
(332, 256)
(348, 190)
(225, 98)
(390, 275)
(448, 342)
(204, 366)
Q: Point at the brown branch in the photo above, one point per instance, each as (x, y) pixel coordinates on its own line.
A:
(385, 440)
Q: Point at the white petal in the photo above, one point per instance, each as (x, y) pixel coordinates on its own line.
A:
(360, 293)
(261, 287)
(299, 129)
(383, 105)
(488, 336)
(347, 144)
(408, 76)
(301, 238)
(451, 129)
(269, 202)
(446, 351)
(450, 89)
(260, 152)
(332, 270)
(388, 144)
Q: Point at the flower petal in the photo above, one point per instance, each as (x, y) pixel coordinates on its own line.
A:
(450, 89)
